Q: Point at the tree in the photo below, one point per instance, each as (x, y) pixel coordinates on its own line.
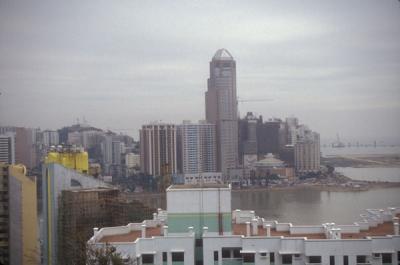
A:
(106, 255)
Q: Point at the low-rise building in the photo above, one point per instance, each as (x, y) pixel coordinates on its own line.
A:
(270, 166)
(200, 228)
(204, 178)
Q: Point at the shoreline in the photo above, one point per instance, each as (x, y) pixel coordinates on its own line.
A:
(334, 188)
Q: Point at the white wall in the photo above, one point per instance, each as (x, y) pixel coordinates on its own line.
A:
(198, 200)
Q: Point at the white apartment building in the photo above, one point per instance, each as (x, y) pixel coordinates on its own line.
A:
(307, 153)
(50, 138)
(196, 147)
(7, 148)
(199, 228)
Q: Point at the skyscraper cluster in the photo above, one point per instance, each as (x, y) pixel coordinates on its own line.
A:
(224, 142)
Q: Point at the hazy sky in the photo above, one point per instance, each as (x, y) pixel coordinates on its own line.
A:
(333, 64)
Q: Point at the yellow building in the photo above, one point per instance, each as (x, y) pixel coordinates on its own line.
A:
(73, 158)
(19, 217)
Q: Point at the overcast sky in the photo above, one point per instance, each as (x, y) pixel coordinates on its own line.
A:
(333, 64)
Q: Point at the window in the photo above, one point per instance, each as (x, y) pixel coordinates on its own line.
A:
(398, 255)
(345, 260)
(215, 255)
(332, 260)
(314, 259)
(147, 258)
(226, 253)
(272, 257)
(361, 259)
(263, 254)
(287, 259)
(164, 256)
(248, 257)
(236, 253)
(386, 258)
(178, 256)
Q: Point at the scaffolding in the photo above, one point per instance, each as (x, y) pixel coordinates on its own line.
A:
(82, 210)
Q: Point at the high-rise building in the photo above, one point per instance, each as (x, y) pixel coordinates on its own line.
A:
(221, 108)
(25, 145)
(7, 148)
(132, 160)
(50, 138)
(196, 147)
(18, 214)
(292, 123)
(307, 153)
(268, 137)
(106, 152)
(158, 149)
(25, 149)
(55, 179)
(248, 145)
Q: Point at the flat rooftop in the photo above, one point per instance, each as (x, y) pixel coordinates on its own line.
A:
(240, 229)
(198, 186)
(381, 230)
(132, 236)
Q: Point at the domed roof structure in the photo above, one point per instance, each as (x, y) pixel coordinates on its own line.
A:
(270, 162)
(223, 54)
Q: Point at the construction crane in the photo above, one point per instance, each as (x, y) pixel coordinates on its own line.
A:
(254, 100)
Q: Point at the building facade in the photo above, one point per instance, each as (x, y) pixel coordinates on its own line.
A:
(248, 145)
(82, 209)
(158, 155)
(268, 137)
(221, 108)
(18, 215)
(196, 147)
(7, 148)
(50, 138)
(132, 160)
(307, 153)
(55, 179)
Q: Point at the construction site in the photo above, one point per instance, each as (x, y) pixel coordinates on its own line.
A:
(83, 209)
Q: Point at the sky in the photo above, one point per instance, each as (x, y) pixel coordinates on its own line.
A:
(121, 64)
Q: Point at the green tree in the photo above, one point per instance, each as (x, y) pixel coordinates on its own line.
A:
(106, 255)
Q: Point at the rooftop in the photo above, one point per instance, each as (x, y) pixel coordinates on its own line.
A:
(199, 186)
(132, 236)
(222, 54)
(383, 229)
(240, 229)
(269, 161)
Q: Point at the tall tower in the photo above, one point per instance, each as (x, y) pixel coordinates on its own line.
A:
(221, 108)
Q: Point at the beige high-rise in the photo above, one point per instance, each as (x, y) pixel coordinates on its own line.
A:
(158, 149)
(221, 108)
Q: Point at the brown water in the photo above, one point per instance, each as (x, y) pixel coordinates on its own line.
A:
(303, 206)
(306, 206)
